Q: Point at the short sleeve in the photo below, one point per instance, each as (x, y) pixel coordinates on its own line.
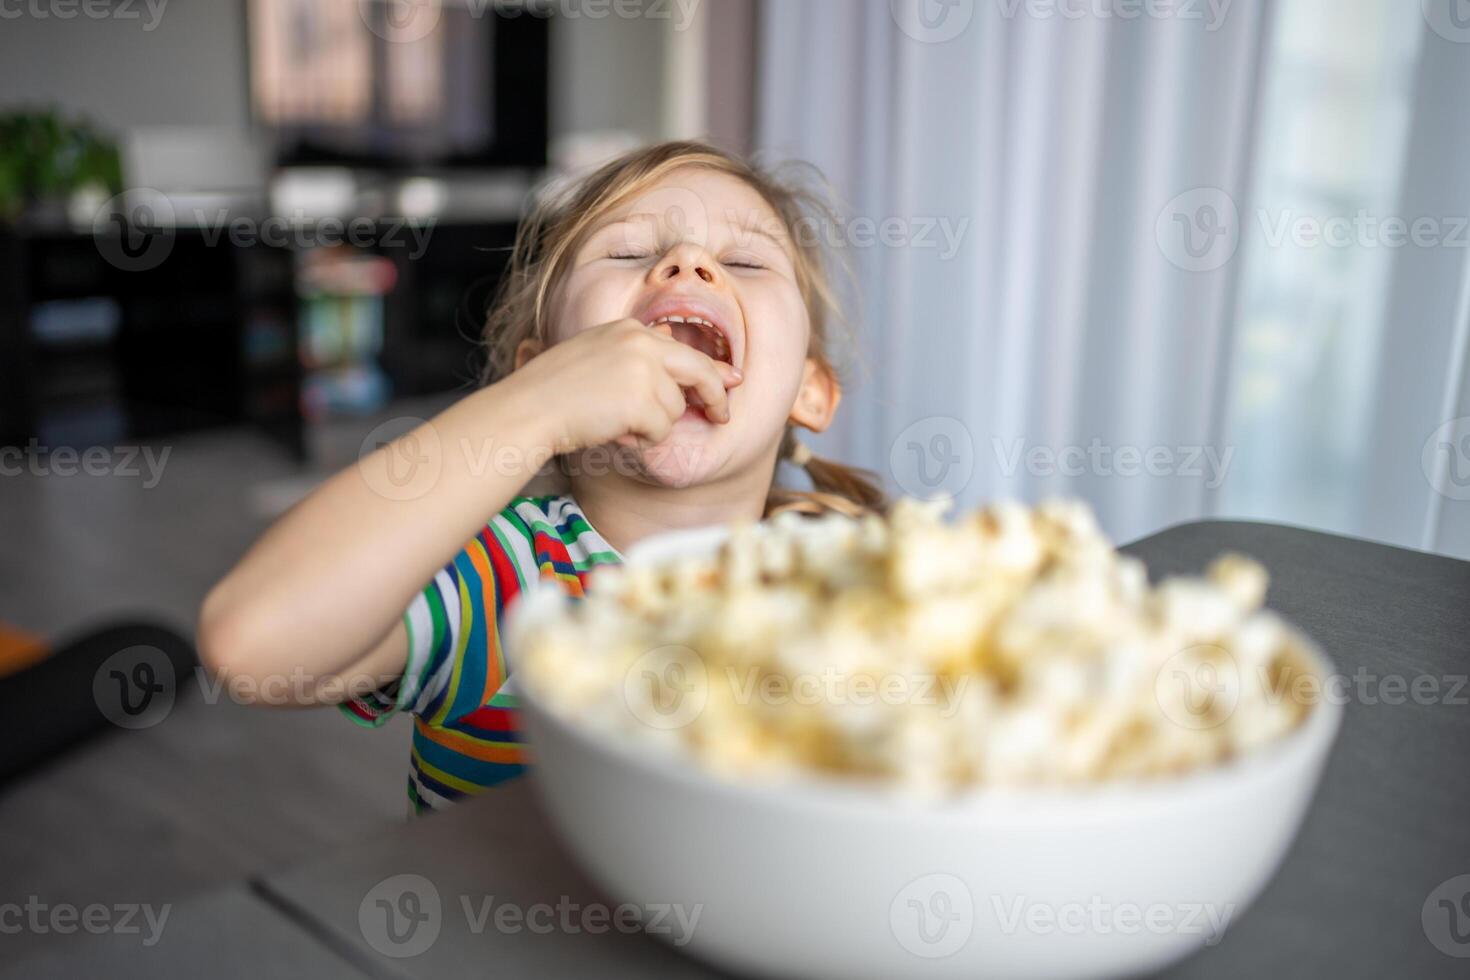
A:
(455, 660)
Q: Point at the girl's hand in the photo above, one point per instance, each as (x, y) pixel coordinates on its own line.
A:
(622, 379)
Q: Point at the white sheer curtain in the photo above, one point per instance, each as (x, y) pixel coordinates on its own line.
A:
(1059, 334)
(1097, 175)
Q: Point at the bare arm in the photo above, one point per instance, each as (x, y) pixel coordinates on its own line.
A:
(322, 592)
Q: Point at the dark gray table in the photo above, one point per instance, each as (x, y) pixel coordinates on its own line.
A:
(1389, 826)
(1391, 820)
(230, 934)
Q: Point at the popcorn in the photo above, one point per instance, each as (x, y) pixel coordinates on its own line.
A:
(1009, 646)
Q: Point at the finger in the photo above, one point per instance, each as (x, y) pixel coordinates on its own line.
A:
(654, 425)
(671, 399)
(692, 369)
(661, 405)
(730, 375)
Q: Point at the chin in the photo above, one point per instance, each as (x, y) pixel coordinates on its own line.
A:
(677, 463)
(688, 456)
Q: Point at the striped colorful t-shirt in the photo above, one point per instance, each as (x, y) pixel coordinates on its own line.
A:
(466, 736)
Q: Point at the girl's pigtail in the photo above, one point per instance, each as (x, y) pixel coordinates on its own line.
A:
(835, 487)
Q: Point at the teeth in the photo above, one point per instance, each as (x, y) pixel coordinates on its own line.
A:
(722, 346)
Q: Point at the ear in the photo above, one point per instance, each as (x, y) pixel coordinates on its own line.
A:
(818, 397)
(526, 350)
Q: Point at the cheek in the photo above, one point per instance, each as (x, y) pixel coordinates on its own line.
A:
(779, 345)
(586, 301)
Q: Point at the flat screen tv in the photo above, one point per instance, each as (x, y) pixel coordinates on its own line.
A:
(401, 84)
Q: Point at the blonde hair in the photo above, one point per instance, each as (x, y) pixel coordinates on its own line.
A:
(547, 241)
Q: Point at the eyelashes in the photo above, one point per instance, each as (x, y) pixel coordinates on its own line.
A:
(734, 263)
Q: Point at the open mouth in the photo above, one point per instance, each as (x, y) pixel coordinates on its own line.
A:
(699, 333)
(703, 335)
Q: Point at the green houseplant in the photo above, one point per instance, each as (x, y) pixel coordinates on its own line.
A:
(45, 159)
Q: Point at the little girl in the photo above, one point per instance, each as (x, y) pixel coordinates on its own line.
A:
(661, 331)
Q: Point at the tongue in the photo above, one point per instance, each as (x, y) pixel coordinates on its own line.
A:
(693, 336)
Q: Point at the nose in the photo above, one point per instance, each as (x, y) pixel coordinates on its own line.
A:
(686, 259)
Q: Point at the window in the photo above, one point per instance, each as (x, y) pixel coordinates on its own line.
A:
(1318, 242)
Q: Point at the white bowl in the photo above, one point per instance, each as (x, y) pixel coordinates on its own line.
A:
(833, 879)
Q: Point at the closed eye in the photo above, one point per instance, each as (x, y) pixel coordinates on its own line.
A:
(627, 254)
(744, 263)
